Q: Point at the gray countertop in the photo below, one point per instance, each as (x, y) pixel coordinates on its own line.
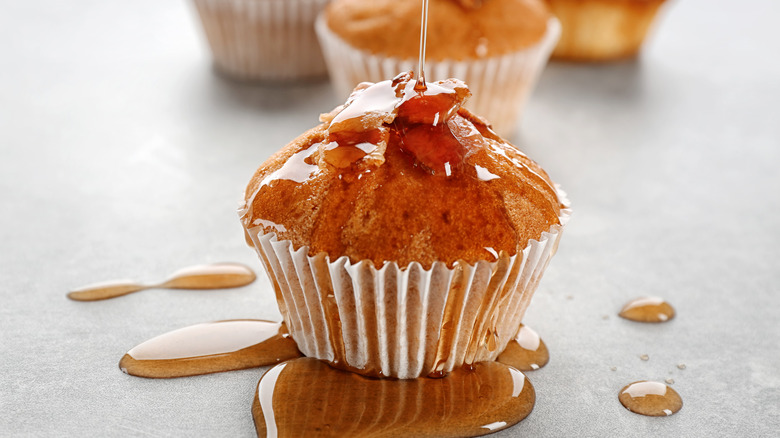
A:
(123, 155)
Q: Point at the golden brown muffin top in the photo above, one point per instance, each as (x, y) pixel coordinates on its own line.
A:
(398, 174)
(457, 29)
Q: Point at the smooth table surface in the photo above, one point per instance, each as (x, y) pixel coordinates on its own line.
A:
(123, 155)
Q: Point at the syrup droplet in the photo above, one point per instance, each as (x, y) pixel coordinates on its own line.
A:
(526, 352)
(214, 276)
(211, 348)
(653, 399)
(306, 397)
(647, 309)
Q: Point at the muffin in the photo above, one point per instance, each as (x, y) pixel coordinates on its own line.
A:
(498, 47)
(602, 30)
(263, 39)
(402, 236)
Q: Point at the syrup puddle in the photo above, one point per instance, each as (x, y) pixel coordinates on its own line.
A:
(527, 352)
(653, 399)
(647, 309)
(211, 348)
(306, 397)
(214, 276)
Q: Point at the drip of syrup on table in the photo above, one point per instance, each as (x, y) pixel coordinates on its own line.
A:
(213, 276)
(306, 397)
(653, 399)
(527, 352)
(647, 309)
(211, 348)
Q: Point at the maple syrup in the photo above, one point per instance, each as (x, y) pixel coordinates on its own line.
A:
(306, 397)
(653, 399)
(420, 85)
(214, 276)
(211, 348)
(527, 352)
(647, 309)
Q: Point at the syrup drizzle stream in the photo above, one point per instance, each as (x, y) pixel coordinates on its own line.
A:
(214, 276)
(647, 309)
(306, 397)
(527, 352)
(653, 399)
(211, 348)
(420, 85)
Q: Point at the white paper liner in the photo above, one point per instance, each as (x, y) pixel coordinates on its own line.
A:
(263, 39)
(409, 322)
(500, 85)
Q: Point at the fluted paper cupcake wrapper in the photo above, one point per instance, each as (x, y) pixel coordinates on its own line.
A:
(263, 39)
(500, 85)
(403, 322)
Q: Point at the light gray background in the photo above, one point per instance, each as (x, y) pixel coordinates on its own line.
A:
(123, 155)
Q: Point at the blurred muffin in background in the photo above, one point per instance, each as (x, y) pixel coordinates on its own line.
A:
(263, 39)
(498, 47)
(602, 30)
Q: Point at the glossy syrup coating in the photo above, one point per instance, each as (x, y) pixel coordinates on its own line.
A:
(457, 29)
(402, 175)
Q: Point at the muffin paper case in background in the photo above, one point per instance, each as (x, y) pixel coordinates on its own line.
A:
(603, 30)
(501, 84)
(263, 39)
(393, 262)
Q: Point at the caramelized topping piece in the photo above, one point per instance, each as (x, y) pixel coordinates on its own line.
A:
(360, 129)
(424, 124)
(361, 124)
(433, 146)
(436, 104)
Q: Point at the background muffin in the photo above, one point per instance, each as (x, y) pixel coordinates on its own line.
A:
(263, 39)
(402, 236)
(498, 47)
(602, 30)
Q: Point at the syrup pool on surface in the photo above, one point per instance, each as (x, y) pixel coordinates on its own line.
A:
(653, 399)
(526, 352)
(647, 309)
(211, 348)
(306, 397)
(213, 276)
